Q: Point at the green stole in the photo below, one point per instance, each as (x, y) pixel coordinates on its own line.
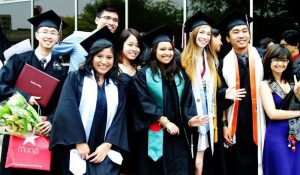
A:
(155, 133)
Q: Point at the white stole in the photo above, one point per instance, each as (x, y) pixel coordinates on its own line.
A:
(88, 102)
(197, 86)
(228, 72)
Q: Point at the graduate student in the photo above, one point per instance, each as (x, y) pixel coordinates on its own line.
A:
(129, 63)
(200, 65)
(243, 123)
(48, 27)
(90, 116)
(164, 104)
(106, 15)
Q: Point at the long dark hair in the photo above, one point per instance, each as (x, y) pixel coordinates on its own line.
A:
(87, 66)
(124, 36)
(168, 71)
(279, 52)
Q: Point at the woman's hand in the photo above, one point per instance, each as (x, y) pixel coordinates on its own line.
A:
(199, 121)
(83, 150)
(235, 94)
(100, 153)
(33, 100)
(172, 128)
(297, 88)
(44, 128)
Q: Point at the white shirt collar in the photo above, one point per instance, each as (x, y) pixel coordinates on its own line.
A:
(39, 56)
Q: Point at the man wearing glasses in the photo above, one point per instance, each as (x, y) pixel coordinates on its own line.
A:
(106, 15)
(47, 27)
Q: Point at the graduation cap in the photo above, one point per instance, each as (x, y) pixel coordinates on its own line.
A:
(103, 38)
(157, 35)
(232, 19)
(198, 19)
(47, 19)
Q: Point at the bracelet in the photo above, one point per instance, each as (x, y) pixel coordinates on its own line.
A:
(225, 123)
(163, 121)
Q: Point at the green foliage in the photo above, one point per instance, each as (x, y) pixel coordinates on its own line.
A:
(270, 16)
(70, 26)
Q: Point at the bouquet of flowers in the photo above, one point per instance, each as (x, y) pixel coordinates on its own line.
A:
(17, 117)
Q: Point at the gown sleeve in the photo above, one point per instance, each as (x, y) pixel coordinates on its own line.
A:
(9, 74)
(145, 111)
(188, 104)
(222, 103)
(67, 125)
(117, 133)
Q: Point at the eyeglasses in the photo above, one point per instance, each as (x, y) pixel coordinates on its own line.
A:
(51, 33)
(283, 60)
(110, 18)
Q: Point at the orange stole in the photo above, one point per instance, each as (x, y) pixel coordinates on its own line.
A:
(253, 96)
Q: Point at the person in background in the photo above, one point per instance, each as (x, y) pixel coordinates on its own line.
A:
(106, 15)
(4, 44)
(290, 40)
(163, 104)
(129, 63)
(244, 121)
(277, 90)
(90, 117)
(216, 40)
(48, 25)
(263, 44)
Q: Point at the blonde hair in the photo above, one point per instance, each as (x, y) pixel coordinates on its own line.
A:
(189, 53)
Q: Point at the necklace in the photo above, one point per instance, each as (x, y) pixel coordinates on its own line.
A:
(128, 69)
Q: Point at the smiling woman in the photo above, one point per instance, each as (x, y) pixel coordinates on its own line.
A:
(93, 100)
(162, 93)
(278, 95)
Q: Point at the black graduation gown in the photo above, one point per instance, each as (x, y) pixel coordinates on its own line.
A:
(130, 158)
(241, 158)
(68, 129)
(176, 157)
(216, 164)
(8, 75)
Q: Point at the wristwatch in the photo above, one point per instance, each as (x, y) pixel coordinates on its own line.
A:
(224, 123)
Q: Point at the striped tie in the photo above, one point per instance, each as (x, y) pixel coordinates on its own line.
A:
(43, 61)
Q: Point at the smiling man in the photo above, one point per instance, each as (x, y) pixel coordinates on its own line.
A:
(47, 26)
(243, 124)
(106, 15)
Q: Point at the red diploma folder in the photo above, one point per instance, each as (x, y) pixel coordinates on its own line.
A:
(36, 83)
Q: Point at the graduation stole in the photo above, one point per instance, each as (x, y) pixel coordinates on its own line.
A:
(155, 132)
(253, 96)
(206, 100)
(88, 102)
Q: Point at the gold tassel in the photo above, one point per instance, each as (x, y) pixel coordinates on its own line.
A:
(215, 112)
